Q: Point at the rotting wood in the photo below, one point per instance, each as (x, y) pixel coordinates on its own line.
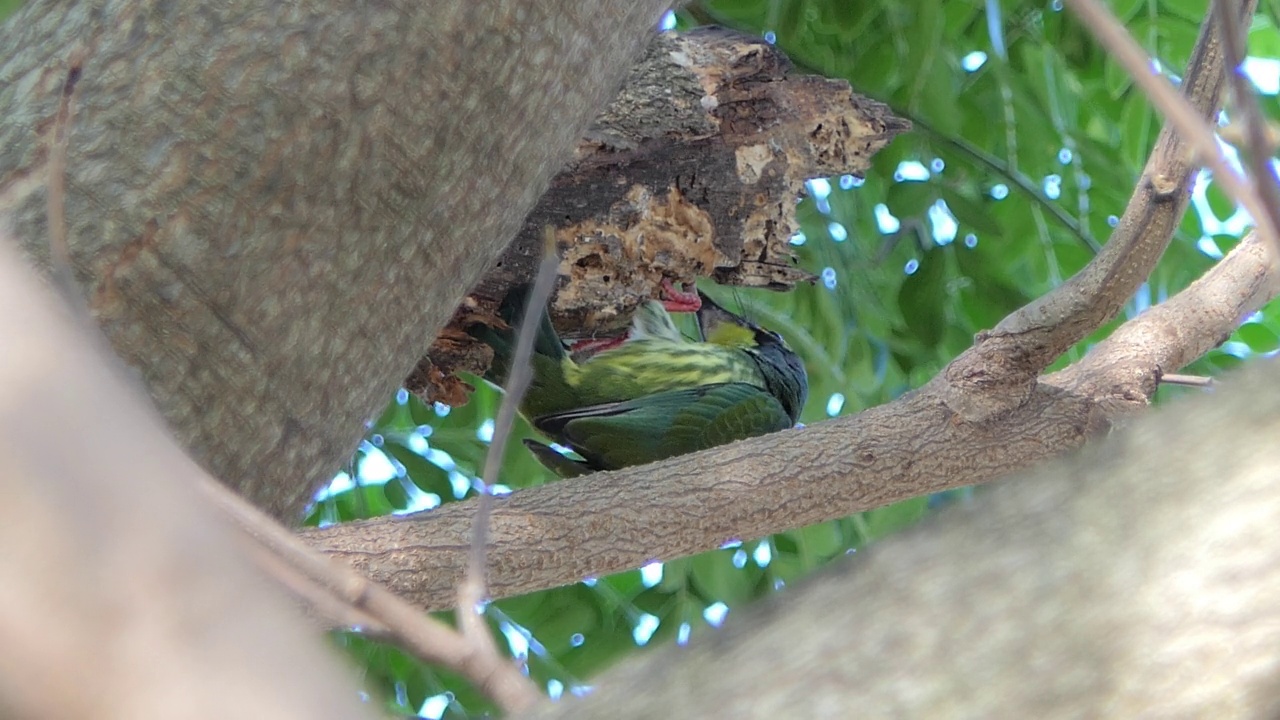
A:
(693, 171)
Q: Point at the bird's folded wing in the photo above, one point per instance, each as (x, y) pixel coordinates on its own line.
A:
(665, 424)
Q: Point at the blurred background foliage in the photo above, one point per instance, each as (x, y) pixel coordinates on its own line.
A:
(1027, 143)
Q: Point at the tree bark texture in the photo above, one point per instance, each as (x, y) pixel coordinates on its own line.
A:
(273, 213)
(122, 596)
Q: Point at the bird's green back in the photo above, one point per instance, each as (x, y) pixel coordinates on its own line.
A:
(652, 365)
(657, 394)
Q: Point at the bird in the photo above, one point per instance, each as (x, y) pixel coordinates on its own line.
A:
(656, 394)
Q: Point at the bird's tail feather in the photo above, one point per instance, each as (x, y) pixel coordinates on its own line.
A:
(561, 465)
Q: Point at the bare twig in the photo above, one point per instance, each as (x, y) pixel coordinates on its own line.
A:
(1113, 36)
(471, 591)
(1258, 152)
(317, 600)
(1200, 381)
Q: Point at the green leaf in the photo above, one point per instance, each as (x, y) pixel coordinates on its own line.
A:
(911, 199)
(1116, 79)
(972, 215)
(1264, 39)
(1139, 126)
(1258, 337)
(922, 298)
(822, 541)
(396, 493)
(1127, 9)
(8, 7)
(1220, 203)
(885, 521)
(717, 578)
(421, 472)
(395, 418)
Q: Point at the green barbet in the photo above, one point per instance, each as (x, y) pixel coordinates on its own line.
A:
(657, 394)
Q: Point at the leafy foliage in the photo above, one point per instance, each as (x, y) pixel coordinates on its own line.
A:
(1028, 142)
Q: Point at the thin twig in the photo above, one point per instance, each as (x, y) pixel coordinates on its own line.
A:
(471, 591)
(1113, 36)
(315, 598)
(59, 247)
(1187, 380)
(1258, 153)
(408, 626)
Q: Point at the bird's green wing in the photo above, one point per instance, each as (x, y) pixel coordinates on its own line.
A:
(664, 424)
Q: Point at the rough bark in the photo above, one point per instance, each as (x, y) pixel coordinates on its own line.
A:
(1141, 579)
(1083, 582)
(122, 596)
(274, 212)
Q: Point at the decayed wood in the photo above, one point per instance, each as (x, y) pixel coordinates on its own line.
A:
(693, 171)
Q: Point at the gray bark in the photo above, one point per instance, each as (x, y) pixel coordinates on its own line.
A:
(273, 213)
(122, 595)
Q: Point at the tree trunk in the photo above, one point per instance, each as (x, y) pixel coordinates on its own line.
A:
(273, 213)
(122, 595)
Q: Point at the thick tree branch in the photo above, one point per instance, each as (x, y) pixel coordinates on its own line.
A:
(559, 533)
(1141, 579)
(121, 597)
(255, 198)
(608, 522)
(1176, 332)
